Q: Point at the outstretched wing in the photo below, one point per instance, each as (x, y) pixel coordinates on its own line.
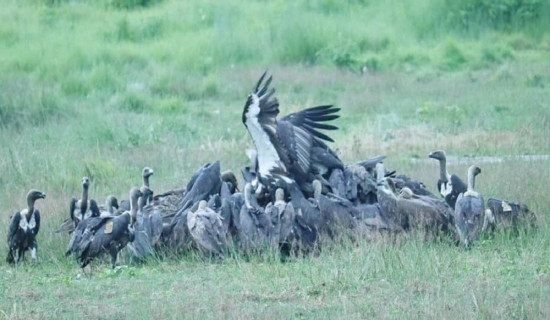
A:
(312, 120)
(261, 104)
(260, 118)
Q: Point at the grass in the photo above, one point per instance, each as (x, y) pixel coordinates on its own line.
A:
(105, 88)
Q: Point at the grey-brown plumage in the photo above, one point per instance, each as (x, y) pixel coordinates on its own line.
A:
(307, 219)
(80, 209)
(387, 200)
(147, 227)
(207, 230)
(255, 226)
(110, 235)
(23, 228)
(355, 183)
(337, 214)
(506, 215)
(282, 217)
(469, 211)
(422, 215)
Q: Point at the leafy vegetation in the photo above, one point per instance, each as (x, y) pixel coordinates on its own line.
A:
(104, 88)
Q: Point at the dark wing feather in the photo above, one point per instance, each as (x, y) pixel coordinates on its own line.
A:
(458, 185)
(14, 225)
(310, 119)
(37, 220)
(94, 208)
(297, 144)
(371, 163)
(72, 207)
(269, 107)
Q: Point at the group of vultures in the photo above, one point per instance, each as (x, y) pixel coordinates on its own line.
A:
(294, 195)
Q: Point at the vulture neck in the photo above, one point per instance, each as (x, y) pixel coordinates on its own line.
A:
(30, 206)
(84, 204)
(146, 181)
(247, 195)
(133, 207)
(471, 179)
(380, 173)
(142, 202)
(443, 175)
(317, 191)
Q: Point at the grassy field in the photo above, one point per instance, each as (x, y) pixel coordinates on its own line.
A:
(104, 88)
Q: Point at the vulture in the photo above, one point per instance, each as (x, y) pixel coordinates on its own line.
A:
(145, 174)
(281, 214)
(255, 225)
(83, 208)
(422, 215)
(292, 146)
(204, 183)
(417, 187)
(23, 228)
(110, 234)
(307, 219)
(449, 186)
(387, 199)
(229, 177)
(355, 183)
(469, 210)
(206, 229)
(337, 214)
(147, 227)
(504, 215)
(110, 208)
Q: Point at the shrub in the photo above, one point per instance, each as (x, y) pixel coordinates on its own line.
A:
(133, 4)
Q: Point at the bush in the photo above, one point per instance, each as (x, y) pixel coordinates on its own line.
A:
(506, 15)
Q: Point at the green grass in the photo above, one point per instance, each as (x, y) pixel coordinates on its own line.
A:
(105, 88)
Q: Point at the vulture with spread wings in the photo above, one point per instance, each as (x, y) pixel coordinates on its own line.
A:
(292, 146)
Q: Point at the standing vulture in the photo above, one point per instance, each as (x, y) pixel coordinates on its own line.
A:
(83, 208)
(145, 174)
(469, 210)
(291, 146)
(147, 227)
(110, 235)
(24, 226)
(449, 186)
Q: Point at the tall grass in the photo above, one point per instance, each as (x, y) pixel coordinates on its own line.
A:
(104, 88)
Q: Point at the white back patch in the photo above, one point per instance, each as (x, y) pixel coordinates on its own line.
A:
(24, 224)
(506, 207)
(446, 188)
